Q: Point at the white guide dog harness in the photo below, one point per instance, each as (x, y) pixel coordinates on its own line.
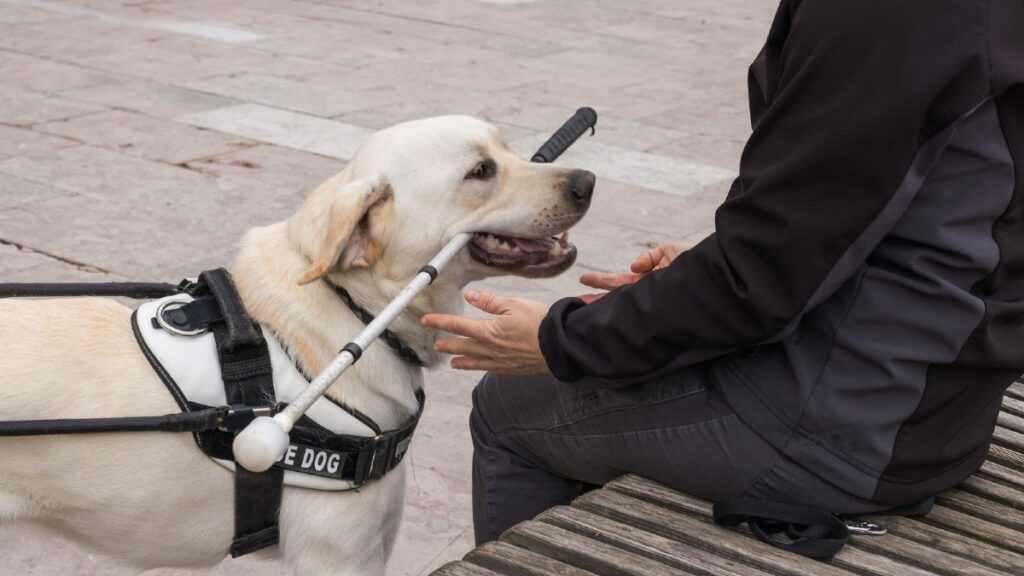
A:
(210, 353)
(190, 368)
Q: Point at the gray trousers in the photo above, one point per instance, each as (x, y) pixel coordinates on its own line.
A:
(538, 443)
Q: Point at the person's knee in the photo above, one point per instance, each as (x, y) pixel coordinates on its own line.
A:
(503, 404)
(482, 402)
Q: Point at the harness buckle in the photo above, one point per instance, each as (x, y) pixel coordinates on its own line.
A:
(865, 528)
(239, 416)
(186, 286)
(365, 474)
(169, 325)
(373, 455)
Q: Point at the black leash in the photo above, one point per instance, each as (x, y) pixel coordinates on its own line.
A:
(136, 290)
(177, 422)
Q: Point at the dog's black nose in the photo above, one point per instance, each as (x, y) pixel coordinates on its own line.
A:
(581, 186)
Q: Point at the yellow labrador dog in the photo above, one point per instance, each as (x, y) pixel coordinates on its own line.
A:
(154, 499)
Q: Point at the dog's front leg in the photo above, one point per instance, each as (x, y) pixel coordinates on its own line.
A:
(342, 533)
(331, 553)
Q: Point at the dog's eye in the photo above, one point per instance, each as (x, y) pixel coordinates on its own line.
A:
(483, 171)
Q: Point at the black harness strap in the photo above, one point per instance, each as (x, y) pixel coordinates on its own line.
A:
(358, 459)
(248, 381)
(388, 449)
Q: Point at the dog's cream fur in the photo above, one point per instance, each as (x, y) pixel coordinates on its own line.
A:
(153, 499)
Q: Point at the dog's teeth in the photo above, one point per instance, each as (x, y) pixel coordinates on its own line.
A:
(564, 238)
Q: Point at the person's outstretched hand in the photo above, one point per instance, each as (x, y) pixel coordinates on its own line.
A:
(506, 343)
(653, 259)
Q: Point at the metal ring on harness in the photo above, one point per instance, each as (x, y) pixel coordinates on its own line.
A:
(164, 306)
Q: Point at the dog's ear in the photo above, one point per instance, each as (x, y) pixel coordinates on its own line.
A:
(342, 226)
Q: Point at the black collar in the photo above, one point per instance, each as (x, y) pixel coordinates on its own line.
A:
(390, 338)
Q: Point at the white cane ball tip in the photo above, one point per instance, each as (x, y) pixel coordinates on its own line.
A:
(260, 444)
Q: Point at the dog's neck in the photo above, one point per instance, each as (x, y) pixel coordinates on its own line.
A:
(314, 323)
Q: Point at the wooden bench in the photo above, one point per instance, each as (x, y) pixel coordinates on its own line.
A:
(634, 526)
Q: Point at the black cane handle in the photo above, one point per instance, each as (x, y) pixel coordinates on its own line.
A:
(583, 120)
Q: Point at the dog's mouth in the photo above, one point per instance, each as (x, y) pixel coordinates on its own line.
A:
(523, 256)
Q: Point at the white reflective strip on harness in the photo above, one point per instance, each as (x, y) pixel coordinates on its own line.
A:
(191, 362)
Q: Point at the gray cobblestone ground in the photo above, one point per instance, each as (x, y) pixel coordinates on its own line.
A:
(140, 139)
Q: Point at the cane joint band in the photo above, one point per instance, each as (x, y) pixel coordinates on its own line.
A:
(354, 349)
(431, 271)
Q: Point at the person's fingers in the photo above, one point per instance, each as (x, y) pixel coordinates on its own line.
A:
(667, 254)
(470, 363)
(457, 325)
(464, 347)
(488, 301)
(591, 298)
(606, 280)
(646, 261)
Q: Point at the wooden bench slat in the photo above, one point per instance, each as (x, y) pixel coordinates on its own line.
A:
(952, 542)
(957, 521)
(992, 532)
(637, 527)
(1010, 458)
(664, 550)
(505, 558)
(1003, 474)
(651, 491)
(980, 507)
(731, 543)
(1013, 406)
(1009, 438)
(1010, 422)
(462, 569)
(1016, 390)
(908, 551)
(994, 491)
(583, 552)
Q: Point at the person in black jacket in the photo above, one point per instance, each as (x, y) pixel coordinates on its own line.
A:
(844, 338)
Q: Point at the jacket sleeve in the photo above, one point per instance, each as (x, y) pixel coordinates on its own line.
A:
(852, 104)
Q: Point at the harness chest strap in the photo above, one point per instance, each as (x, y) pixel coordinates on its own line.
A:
(248, 381)
(315, 451)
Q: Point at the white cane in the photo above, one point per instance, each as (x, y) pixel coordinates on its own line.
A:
(265, 439)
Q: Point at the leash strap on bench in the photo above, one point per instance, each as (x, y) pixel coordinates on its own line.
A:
(812, 533)
(248, 381)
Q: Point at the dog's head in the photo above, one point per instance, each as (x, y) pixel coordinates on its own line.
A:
(412, 187)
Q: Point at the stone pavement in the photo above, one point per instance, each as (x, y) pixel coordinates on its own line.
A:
(138, 140)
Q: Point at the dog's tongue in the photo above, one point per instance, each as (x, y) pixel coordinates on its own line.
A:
(530, 245)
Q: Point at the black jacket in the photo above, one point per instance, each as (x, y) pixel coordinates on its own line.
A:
(862, 298)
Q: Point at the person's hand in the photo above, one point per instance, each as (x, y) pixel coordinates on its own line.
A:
(506, 343)
(649, 261)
